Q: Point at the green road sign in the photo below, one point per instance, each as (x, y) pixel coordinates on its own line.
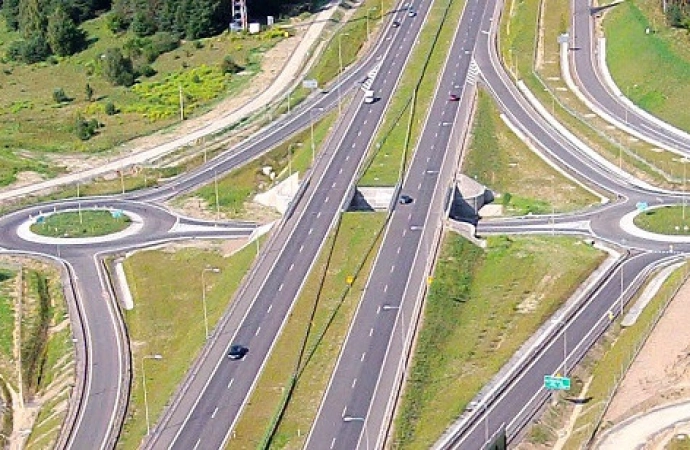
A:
(557, 383)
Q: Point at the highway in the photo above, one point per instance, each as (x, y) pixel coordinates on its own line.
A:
(103, 372)
(358, 405)
(210, 402)
(356, 409)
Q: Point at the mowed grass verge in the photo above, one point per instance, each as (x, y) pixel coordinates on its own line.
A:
(238, 187)
(615, 351)
(320, 320)
(405, 118)
(497, 158)
(168, 320)
(477, 315)
(543, 78)
(653, 69)
(86, 223)
(673, 220)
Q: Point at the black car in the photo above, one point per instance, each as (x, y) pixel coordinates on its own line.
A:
(405, 199)
(396, 24)
(237, 351)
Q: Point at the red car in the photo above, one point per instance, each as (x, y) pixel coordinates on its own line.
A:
(453, 98)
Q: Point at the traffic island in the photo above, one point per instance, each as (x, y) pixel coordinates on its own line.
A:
(81, 224)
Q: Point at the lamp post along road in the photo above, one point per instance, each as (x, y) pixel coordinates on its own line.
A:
(373, 8)
(143, 382)
(364, 426)
(340, 61)
(203, 294)
(311, 127)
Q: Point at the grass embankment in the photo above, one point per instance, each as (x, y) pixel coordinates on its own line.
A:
(405, 118)
(498, 159)
(168, 319)
(517, 44)
(476, 316)
(319, 321)
(615, 352)
(653, 70)
(87, 223)
(673, 220)
(7, 361)
(47, 361)
(31, 118)
(237, 188)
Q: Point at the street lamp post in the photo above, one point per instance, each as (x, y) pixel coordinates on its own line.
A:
(340, 61)
(203, 293)
(402, 328)
(292, 144)
(311, 127)
(143, 382)
(373, 8)
(683, 161)
(364, 426)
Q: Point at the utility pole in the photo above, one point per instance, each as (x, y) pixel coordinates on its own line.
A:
(181, 102)
(239, 14)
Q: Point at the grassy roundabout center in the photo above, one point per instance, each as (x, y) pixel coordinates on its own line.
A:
(673, 220)
(75, 224)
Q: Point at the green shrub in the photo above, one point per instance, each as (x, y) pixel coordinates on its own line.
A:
(59, 95)
(84, 129)
(228, 65)
(110, 108)
(117, 68)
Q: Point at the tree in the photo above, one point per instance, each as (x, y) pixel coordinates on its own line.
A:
(10, 9)
(117, 68)
(32, 18)
(142, 25)
(64, 37)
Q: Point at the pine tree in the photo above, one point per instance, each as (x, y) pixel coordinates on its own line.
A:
(10, 9)
(32, 19)
(63, 35)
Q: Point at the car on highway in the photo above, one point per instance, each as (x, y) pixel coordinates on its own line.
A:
(405, 199)
(411, 13)
(453, 98)
(396, 24)
(237, 351)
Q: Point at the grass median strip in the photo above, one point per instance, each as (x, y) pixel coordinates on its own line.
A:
(478, 313)
(404, 119)
(168, 320)
(323, 313)
(498, 159)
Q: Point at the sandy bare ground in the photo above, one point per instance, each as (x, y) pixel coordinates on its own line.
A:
(660, 374)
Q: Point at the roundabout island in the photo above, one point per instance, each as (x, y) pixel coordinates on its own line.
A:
(81, 224)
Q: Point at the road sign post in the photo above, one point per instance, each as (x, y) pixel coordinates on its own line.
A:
(556, 383)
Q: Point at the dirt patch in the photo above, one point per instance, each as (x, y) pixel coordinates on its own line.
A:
(657, 377)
